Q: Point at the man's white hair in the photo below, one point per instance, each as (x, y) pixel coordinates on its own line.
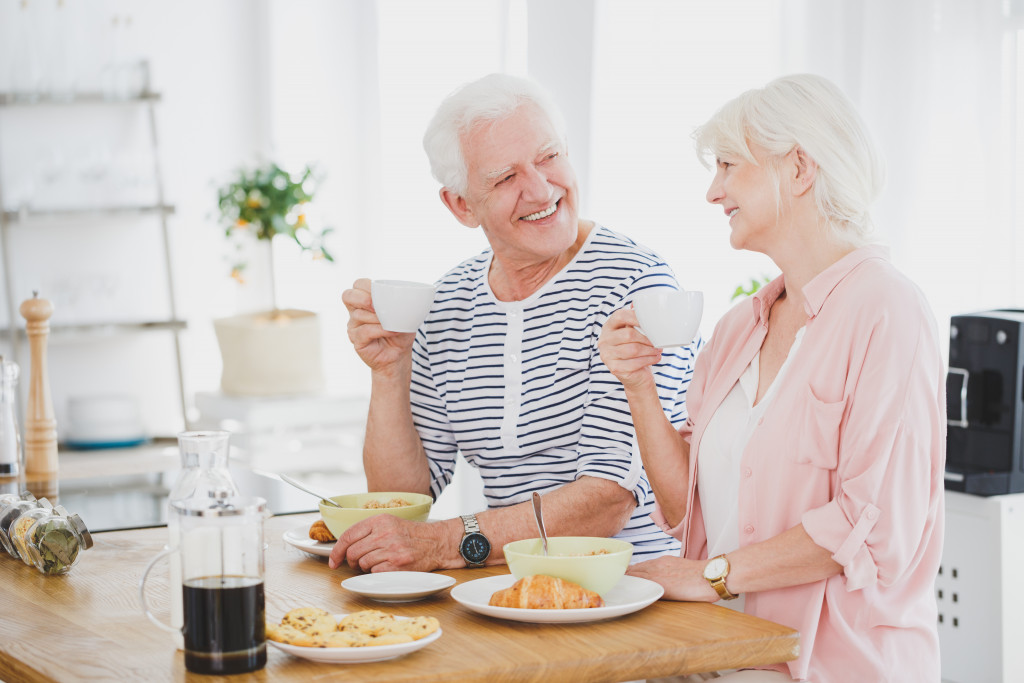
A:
(811, 113)
(491, 98)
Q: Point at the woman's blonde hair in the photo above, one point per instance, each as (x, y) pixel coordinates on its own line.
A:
(811, 113)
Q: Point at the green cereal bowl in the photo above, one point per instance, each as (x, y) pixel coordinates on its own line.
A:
(569, 558)
(352, 510)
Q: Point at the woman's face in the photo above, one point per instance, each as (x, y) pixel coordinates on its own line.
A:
(522, 189)
(746, 192)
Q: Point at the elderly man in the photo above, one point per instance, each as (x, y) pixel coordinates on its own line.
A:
(506, 367)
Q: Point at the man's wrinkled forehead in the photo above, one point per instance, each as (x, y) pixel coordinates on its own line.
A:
(548, 147)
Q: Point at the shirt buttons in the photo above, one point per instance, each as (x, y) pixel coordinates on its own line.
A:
(760, 421)
(747, 472)
(872, 514)
(749, 529)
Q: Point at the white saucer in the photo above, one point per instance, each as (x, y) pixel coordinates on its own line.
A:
(630, 594)
(397, 586)
(352, 655)
(298, 537)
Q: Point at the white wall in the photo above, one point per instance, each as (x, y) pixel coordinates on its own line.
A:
(350, 86)
(201, 57)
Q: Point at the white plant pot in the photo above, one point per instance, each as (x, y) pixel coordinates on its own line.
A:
(271, 353)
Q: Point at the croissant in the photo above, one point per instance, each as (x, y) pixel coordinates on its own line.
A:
(545, 592)
(320, 533)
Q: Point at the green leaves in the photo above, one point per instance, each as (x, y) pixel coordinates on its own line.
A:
(268, 201)
(58, 549)
(747, 290)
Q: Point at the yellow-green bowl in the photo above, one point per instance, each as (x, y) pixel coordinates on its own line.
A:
(569, 558)
(352, 510)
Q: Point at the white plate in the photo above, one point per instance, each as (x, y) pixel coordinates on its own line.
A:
(630, 594)
(398, 586)
(299, 538)
(351, 655)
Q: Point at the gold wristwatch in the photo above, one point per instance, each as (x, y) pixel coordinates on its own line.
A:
(716, 571)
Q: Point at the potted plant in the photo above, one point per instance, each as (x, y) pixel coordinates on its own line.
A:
(266, 202)
(274, 352)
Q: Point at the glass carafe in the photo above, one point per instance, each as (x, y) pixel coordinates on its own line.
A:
(204, 475)
(221, 555)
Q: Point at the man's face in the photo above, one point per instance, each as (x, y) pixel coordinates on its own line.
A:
(522, 189)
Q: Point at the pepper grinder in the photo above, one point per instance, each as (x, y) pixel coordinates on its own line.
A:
(40, 424)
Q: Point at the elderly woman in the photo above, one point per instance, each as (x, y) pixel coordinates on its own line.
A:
(506, 368)
(810, 468)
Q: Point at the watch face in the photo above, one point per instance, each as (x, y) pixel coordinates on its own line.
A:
(714, 568)
(475, 548)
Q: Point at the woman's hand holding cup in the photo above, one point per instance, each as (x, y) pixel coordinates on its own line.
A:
(626, 352)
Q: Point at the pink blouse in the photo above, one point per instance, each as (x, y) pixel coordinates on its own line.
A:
(853, 447)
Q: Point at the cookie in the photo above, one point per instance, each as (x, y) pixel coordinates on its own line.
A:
(346, 639)
(290, 635)
(310, 618)
(391, 639)
(416, 628)
(371, 622)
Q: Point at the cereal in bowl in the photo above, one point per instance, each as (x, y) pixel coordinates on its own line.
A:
(383, 504)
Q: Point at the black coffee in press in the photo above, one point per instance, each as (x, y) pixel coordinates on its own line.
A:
(225, 630)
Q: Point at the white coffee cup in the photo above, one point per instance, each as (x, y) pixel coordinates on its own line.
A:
(401, 305)
(669, 317)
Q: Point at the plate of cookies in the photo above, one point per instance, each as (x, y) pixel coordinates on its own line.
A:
(366, 636)
(315, 540)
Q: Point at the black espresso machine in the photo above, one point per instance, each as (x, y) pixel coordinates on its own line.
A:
(985, 402)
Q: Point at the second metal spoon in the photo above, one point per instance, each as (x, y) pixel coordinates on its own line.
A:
(540, 521)
(297, 485)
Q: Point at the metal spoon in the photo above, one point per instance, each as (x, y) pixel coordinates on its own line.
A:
(297, 485)
(540, 521)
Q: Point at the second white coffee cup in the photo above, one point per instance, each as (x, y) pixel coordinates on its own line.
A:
(401, 305)
(669, 317)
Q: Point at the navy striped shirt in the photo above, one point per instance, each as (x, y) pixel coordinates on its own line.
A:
(519, 387)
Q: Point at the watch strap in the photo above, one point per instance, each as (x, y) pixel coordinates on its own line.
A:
(470, 524)
(718, 582)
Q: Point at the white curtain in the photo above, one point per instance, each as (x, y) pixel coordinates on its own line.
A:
(937, 82)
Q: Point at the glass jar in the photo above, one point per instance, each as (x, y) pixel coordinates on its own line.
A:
(55, 542)
(12, 456)
(18, 533)
(7, 517)
(8, 498)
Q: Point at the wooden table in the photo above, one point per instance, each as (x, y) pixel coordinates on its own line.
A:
(88, 625)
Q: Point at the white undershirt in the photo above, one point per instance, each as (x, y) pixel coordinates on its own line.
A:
(721, 449)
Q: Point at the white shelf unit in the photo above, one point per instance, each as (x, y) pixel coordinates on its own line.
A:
(8, 218)
(979, 591)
